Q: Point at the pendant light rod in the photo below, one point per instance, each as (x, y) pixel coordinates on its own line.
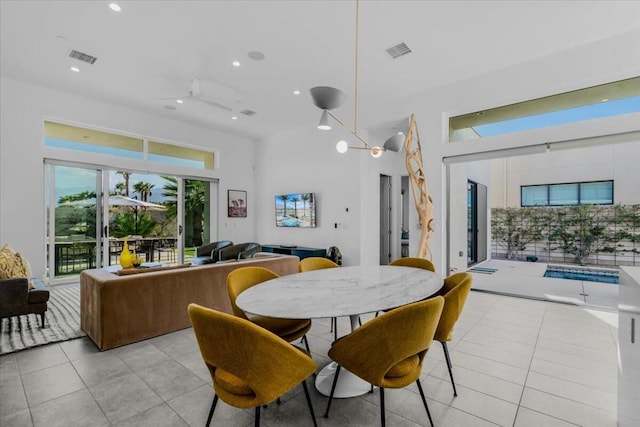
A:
(355, 99)
(351, 131)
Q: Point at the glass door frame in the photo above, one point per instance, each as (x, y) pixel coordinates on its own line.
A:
(50, 217)
(102, 212)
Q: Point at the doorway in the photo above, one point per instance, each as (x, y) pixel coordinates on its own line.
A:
(385, 219)
(476, 223)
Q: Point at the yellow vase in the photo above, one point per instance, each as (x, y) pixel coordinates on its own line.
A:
(126, 260)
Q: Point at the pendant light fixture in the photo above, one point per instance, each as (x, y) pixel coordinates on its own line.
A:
(327, 98)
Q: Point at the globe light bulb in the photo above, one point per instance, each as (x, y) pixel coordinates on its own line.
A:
(342, 146)
(376, 152)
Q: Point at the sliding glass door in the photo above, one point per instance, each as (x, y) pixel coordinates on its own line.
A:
(162, 218)
(73, 220)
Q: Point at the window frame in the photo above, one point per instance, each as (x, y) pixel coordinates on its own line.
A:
(579, 185)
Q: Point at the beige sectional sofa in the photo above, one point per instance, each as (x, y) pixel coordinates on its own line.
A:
(121, 309)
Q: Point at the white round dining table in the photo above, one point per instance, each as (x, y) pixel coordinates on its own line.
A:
(337, 292)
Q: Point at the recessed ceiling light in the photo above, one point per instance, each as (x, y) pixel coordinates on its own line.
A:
(115, 7)
(296, 92)
(179, 101)
(234, 118)
(400, 133)
(75, 69)
(604, 99)
(236, 64)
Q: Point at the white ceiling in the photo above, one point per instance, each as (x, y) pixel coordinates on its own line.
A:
(151, 49)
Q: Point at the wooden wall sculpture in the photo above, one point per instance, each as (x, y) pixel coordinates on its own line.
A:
(424, 203)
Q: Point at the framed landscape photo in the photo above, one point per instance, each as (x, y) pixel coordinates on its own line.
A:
(236, 204)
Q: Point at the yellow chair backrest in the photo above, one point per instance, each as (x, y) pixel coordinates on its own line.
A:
(414, 262)
(242, 279)
(265, 363)
(383, 342)
(455, 291)
(316, 263)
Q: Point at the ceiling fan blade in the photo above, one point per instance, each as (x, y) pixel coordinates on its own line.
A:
(213, 103)
(173, 98)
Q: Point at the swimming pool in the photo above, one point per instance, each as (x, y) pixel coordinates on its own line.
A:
(586, 275)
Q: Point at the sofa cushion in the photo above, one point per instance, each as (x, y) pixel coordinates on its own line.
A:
(13, 265)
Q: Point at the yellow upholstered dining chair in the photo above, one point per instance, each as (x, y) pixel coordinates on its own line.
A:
(455, 290)
(242, 279)
(414, 262)
(318, 263)
(389, 350)
(249, 365)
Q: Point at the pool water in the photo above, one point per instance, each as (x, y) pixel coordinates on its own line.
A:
(586, 275)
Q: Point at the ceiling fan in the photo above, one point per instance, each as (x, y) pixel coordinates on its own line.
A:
(196, 95)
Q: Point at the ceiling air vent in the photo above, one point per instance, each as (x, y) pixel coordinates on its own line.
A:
(82, 56)
(398, 50)
(248, 113)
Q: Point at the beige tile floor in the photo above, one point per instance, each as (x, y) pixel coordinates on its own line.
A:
(516, 362)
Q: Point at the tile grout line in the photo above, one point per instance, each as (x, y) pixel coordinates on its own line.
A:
(524, 385)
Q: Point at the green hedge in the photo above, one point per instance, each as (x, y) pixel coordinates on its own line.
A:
(584, 234)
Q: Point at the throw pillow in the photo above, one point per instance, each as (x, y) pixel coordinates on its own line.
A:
(13, 265)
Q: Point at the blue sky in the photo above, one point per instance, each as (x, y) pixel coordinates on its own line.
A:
(587, 112)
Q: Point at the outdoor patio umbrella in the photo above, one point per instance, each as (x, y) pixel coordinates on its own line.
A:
(120, 201)
(135, 204)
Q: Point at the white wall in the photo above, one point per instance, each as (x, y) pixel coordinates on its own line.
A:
(301, 161)
(23, 109)
(617, 162)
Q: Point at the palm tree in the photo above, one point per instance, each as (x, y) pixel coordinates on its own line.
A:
(84, 195)
(305, 198)
(284, 199)
(194, 203)
(126, 176)
(144, 189)
(295, 201)
(119, 189)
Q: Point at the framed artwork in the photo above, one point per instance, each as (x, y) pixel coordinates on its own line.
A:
(236, 204)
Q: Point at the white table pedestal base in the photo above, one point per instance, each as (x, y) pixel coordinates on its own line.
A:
(348, 384)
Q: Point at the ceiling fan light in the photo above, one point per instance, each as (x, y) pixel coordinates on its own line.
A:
(324, 121)
(376, 152)
(327, 98)
(342, 147)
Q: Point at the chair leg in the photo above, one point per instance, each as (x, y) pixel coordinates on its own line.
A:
(448, 359)
(335, 329)
(42, 319)
(213, 408)
(306, 393)
(333, 320)
(333, 388)
(257, 424)
(382, 405)
(306, 343)
(424, 401)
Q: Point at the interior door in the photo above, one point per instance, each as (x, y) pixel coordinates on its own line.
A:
(385, 219)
